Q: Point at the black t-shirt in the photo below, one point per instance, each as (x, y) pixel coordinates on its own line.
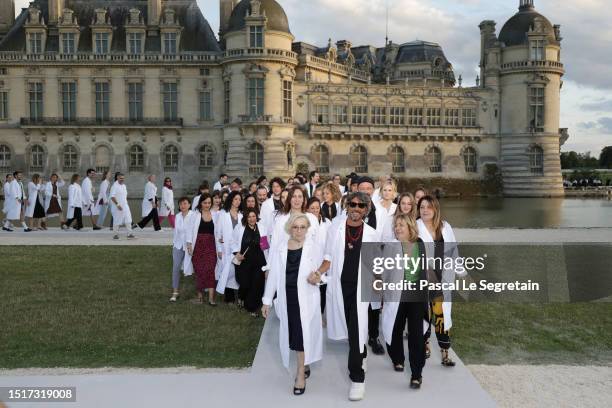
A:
(350, 269)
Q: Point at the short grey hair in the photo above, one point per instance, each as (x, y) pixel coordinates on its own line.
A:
(293, 218)
(363, 197)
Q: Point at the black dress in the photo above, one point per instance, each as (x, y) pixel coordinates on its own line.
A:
(250, 277)
(296, 340)
(39, 210)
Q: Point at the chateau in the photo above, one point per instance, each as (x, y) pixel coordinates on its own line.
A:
(145, 86)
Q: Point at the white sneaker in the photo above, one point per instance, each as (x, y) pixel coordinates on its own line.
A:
(357, 391)
(364, 365)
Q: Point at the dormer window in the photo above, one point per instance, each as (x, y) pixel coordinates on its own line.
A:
(135, 43)
(68, 43)
(101, 43)
(170, 43)
(35, 43)
(537, 50)
(256, 36)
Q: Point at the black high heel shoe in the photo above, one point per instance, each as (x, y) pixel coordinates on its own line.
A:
(307, 373)
(299, 391)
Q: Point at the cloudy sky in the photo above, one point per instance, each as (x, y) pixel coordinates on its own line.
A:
(586, 98)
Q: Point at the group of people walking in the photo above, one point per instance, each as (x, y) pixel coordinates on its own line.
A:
(297, 246)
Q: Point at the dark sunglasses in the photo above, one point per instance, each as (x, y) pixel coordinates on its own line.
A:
(360, 205)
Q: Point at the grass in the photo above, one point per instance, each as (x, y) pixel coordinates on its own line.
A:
(108, 307)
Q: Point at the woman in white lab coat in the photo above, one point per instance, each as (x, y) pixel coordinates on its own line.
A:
(75, 203)
(228, 220)
(294, 204)
(102, 203)
(330, 205)
(35, 209)
(53, 198)
(166, 209)
(293, 279)
(181, 258)
(406, 204)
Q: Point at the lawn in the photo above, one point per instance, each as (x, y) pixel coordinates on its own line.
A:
(108, 307)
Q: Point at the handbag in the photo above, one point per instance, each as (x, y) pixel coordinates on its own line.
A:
(235, 260)
(263, 243)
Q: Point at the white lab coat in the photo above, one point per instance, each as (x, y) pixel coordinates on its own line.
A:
(182, 235)
(448, 274)
(336, 321)
(13, 208)
(150, 193)
(280, 236)
(217, 186)
(49, 193)
(338, 209)
(266, 214)
(387, 232)
(75, 199)
(167, 202)
(191, 236)
(33, 197)
(307, 187)
(7, 194)
(238, 233)
(102, 196)
(321, 239)
(123, 216)
(88, 197)
(219, 267)
(227, 279)
(309, 299)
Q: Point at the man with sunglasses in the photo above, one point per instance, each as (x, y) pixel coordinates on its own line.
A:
(347, 314)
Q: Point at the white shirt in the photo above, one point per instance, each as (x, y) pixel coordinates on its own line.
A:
(103, 193)
(217, 186)
(182, 226)
(119, 191)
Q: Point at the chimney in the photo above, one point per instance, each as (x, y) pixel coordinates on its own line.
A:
(7, 16)
(343, 45)
(225, 11)
(154, 12)
(55, 11)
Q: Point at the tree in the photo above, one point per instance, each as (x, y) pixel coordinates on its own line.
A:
(605, 158)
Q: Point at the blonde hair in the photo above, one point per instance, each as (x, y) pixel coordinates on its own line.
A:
(437, 217)
(413, 209)
(393, 188)
(334, 190)
(293, 218)
(413, 231)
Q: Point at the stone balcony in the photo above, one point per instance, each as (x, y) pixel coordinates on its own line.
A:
(113, 57)
(94, 123)
(530, 65)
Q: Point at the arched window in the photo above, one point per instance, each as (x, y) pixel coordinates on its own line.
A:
(102, 159)
(397, 160)
(360, 159)
(37, 158)
(434, 159)
(136, 158)
(5, 157)
(171, 158)
(70, 158)
(207, 155)
(321, 159)
(470, 159)
(536, 160)
(256, 159)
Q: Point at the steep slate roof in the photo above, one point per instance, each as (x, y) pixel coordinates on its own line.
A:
(277, 19)
(514, 32)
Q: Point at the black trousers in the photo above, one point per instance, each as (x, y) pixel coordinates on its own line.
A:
(356, 354)
(323, 291)
(229, 296)
(411, 312)
(151, 216)
(373, 322)
(78, 216)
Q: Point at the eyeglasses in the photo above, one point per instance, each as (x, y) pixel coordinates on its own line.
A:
(355, 205)
(298, 227)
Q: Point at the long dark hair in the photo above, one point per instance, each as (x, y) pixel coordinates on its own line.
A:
(227, 204)
(245, 216)
(244, 203)
(204, 197)
(292, 190)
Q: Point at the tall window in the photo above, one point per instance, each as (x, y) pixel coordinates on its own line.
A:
(451, 117)
(536, 160)
(3, 105)
(205, 106)
(538, 52)
(397, 160)
(320, 114)
(102, 101)
(171, 158)
(170, 43)
(468, 117)
(359, 115)
(287, 99)
(226, 101)
(136, 156)
(256, 97)
(256, 36)
(360, 159)
(35, 95)
(170, 101)
(396, 115)
(256, 159)
(70, 158)
(536, 109)
(35, 43)
(470, 160)
(415, 116)
(379, 115)
(68, 43)
(340, 114)
(5, 157)
(207, 155)
(101, 43)
(135, 41)
(434, 159)
(37, 158)
(135, 101)
(432, 116)
(321, 159)
(102, 158)
(69, 104)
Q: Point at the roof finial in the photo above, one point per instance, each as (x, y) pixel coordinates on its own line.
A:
(526, 5)
(387, 24)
